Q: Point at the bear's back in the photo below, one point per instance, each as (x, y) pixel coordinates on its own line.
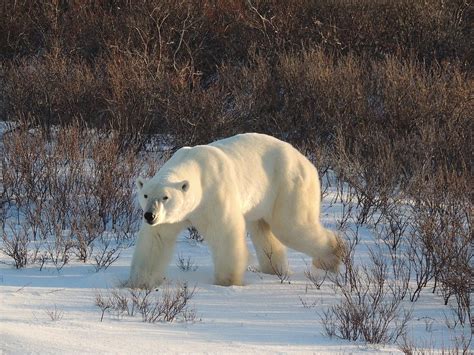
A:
(261, 166)
(254, 150)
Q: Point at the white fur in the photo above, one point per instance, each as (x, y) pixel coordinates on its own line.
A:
(249, 181)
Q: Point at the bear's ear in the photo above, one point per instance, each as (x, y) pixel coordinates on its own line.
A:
(185, 186)
(139, 182)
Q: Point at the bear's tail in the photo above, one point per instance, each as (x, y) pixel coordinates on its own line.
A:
(334, 254)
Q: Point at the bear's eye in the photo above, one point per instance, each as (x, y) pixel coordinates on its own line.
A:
(146, 196)
(165, 198)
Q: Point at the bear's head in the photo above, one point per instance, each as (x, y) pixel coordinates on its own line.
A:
(163, 201)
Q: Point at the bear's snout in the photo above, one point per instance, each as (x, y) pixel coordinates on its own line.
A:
(149, 217)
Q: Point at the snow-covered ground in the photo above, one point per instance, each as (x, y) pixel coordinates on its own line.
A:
(264, 316)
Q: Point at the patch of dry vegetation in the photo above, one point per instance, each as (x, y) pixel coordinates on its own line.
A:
(66, 192)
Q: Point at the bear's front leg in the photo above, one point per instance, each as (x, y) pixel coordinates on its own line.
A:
(229, 250)
(225, 236)
(152, 254)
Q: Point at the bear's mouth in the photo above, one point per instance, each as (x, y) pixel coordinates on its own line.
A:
(152, 222)
(151, 218)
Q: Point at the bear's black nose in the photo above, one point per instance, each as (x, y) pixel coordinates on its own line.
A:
(149, 216)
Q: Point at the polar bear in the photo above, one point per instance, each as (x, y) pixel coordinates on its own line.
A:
(249, 182)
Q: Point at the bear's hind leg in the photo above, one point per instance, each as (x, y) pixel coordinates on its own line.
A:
(322, 244)
(295, 222)
(271, 253)
(330, 261)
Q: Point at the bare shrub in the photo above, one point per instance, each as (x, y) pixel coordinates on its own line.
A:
(349, 276)
(315, 278)
(395, 223)
(346, 197)
(171, 305)
(121, 303)
(25, 168)
(107, 252)
(422, 265)
(16, 245)
(55, 314)
(186, 264)
(104, 303)
(194, 235)
(141, 301)
(442, 237)
(394, 230)
(370, 309)
(460, 345)
(59, 246)
(463, 343)
(282, 272)
(116, 301)
(71, 191)
(112, 173)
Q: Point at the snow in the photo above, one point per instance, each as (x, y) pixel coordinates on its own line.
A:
(264, 316)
